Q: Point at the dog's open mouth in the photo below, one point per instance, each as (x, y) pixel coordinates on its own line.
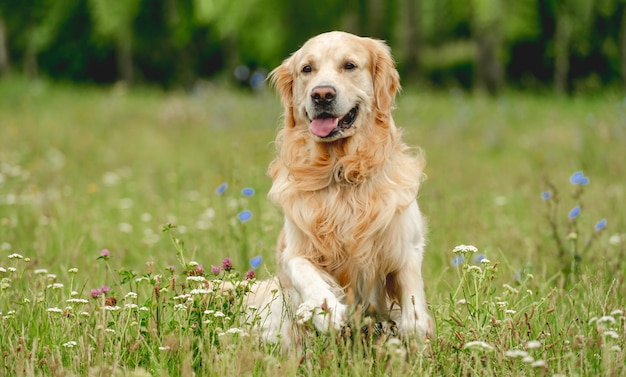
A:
(327, 125)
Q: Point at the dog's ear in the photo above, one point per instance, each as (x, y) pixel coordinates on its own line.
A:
(281, 78)
(386, 80)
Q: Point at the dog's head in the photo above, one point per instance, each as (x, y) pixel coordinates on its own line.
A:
(336, 84)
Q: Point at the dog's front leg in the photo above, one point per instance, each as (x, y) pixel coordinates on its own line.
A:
(414, 318)
(320, 296)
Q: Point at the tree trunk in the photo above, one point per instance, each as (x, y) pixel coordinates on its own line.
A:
(489, 70)
(31, 68)
(5, 64)
(487, 35)
(413, 40)
(562, 39)
(623, 46)
(125, 60)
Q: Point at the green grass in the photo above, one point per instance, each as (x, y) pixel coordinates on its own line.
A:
(85, 169)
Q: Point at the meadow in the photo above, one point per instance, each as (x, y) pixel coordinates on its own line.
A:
(118, 208)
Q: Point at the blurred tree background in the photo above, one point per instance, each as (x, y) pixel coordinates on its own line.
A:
(564, 45)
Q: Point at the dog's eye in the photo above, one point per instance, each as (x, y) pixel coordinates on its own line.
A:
(349, 66)
(307, 69)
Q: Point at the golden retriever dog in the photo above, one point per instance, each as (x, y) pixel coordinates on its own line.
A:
(353, 237)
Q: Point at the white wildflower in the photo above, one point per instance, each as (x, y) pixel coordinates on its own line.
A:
(500, 200)
(15, 256)
(110, 331)
(611, 334)
(501, 304)
(55, 310)
(2, 269)
(200, 291)
(193, 263)
(144, 309)
(209, 312)
(112, 308)
(478, 344)
(617, 312)
(475, 269)
(464, 249)
(77, 301)
(528, 359)
(70, 344)
(110, 178)
(515, 353)
(126, 203)
(219, 314)
(531, 344)
(615, 240)
(131, 295)
(485, 261)
(606, 319)
(538, 364)
(73, 270)
(235, 330)
(12, 269)
(125, 227)
(510, 311)
(180, 307)
(55, 286)
(40, 271)
(51, 277)
(461, 302)
(164, 348)
(131, 306)
(615, 348)
(84, 314)
(196, 278)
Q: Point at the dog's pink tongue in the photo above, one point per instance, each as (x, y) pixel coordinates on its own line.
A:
(323, 127)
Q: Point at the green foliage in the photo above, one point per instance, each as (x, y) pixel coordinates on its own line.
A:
(176, 42)
(113, 19)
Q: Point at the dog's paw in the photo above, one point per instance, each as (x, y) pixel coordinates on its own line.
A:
(324, 316)
(418, 325)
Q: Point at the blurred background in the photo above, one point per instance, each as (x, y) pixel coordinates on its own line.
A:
(568, 46)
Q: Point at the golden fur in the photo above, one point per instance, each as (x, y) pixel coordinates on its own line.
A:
(352, 225)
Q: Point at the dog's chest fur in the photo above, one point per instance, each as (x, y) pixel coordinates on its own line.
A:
(351, 230)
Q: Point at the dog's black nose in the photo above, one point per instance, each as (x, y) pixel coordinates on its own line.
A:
(323, 94)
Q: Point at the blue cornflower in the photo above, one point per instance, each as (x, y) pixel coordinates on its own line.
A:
(578, 178)
(600, 225)
(248, 191)
(244, 216)
(458, 260)
(574, 213)
(221, 188)
(256, 262)
(546, 195)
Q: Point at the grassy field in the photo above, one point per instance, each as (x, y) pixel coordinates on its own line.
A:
(93, 285)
